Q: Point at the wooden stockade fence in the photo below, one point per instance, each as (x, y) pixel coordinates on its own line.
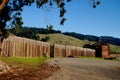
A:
(59, 51)
(66, 51)
(22, 47)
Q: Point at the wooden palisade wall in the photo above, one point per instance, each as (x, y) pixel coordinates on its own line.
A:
(22, 47)
(65, 51)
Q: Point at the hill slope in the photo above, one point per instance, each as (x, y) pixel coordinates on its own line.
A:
(64, 40)
(30, 32)
(69, 40)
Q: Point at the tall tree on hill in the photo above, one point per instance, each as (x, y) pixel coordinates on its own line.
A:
(10, 10)
(50, 28)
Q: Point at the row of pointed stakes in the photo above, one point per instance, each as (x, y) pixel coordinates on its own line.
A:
(66, 51)
(23, 47)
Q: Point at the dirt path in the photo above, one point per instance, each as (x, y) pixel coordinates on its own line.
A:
(28, 72)
(85, 69)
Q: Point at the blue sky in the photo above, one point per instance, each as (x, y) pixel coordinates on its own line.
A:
(81, 18)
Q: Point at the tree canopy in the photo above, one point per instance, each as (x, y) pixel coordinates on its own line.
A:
(10, 11)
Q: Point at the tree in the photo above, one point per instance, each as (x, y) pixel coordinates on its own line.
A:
(50, 28)
(10, 10)
(3, 4)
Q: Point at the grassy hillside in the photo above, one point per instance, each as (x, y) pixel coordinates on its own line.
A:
(68, 40)
(65, 40)
(115, 49)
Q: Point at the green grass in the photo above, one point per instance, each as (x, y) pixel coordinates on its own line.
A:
(97, 58)
(115, 49)
(24, 61)
(93, 58)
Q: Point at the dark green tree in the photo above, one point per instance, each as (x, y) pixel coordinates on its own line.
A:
(50, 28)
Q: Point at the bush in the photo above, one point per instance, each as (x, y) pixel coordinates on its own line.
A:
(45, 39)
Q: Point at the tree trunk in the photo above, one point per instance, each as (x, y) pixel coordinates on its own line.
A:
(3, 4)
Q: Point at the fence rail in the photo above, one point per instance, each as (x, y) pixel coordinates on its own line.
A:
(22, 47)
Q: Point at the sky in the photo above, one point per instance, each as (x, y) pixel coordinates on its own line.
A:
(81, 18)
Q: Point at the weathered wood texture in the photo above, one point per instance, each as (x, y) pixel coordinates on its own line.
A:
(65, 51)
(23, 47)
(105, 51)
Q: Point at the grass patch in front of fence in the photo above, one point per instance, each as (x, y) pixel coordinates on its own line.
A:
(94, 58)
(24, 61)
(97, 58)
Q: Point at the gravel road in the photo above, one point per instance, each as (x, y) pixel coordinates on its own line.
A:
(85, 69)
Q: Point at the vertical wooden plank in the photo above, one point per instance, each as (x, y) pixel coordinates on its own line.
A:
(12, 45)
(38, 49)
(28, 55)
(21, 47)
(34, 49)
(48, 49)
(16, 49)
(10, 49)
(13, 49)
(31, 49)
(54, 50)
(24, 47)
(7, 45)
(3, 48)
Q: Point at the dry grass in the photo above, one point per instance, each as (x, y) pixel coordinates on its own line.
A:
(69, 40)
(27, 69)
(29, 72)
(65, 40)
